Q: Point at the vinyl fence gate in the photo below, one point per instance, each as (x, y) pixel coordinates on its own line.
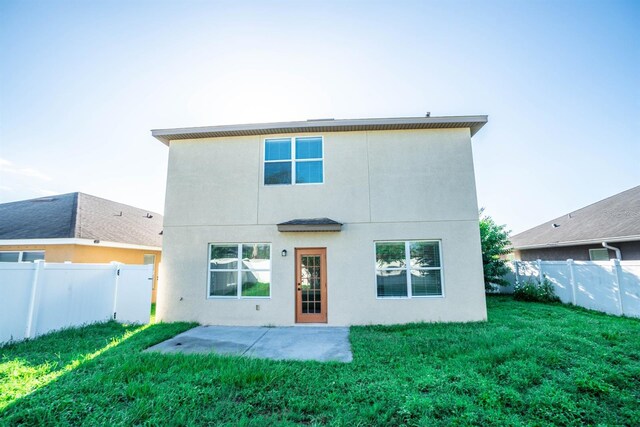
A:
(36, 298)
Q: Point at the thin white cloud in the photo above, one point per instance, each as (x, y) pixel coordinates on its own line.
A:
(33, 173)
(7, 167)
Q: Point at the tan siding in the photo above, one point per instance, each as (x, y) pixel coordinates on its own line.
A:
(91, 254)
(387, 185)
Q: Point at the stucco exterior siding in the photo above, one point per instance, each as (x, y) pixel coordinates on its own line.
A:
(344, 195)
(351, 289)
(382, 185)
(422, 176)
(369, 176)
(202, 174)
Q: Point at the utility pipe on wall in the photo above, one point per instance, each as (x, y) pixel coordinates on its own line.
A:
(618, 253)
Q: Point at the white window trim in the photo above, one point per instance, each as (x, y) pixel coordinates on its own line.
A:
(293, 161)
(21, 254)
(408, 268)
(238, 270)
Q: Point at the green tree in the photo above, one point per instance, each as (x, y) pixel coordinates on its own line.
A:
(495, 245)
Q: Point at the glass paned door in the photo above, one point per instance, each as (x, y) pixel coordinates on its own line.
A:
(311, 285)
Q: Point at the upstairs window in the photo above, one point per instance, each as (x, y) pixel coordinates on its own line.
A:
(290, 161)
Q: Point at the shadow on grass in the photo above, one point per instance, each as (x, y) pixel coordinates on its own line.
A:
(29, 366)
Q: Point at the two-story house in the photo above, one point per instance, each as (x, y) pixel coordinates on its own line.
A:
(368, 221)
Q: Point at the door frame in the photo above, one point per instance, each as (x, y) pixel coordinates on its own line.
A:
(311, 318)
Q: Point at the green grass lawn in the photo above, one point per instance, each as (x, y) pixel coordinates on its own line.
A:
(152, 319)
(530, 364)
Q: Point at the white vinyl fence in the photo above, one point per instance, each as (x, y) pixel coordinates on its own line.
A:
(36, 298)
(609, 286)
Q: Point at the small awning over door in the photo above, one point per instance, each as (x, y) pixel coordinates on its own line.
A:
(310, 224)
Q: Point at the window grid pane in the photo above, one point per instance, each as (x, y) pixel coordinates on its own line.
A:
(424, 254)
(256, 283)
(277, 173)
(390, 255)
(256, 257)
(309, 148)
(9, 256)
(599, 254)
(426, 283)
(277, 149)
(224, 257)
(308, 172)
(224, 284)
(391, 283)
(32, 256)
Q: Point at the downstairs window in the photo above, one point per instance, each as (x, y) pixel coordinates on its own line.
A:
(21, 256)
(407, 269)
(239, 270)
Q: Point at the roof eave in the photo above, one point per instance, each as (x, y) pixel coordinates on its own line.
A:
(474, 123)
(76, 241)
(577, 242)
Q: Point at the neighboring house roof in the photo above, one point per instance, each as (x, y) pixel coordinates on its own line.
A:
(474, 123)
(79, 216)
(614, 219)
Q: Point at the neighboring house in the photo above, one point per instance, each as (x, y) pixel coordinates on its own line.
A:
(581, 235)
(324, 221)
(79, 228)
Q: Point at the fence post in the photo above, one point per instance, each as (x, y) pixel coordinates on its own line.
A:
(34, 302)
(572, 280)
(516, 267)
(116, 266)
(540, 277)
(617, 283)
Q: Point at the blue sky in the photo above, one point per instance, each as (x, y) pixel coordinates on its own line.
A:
(83, 82)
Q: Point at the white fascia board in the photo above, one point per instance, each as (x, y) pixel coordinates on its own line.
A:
(74, 241)
(320, 125)
(579, 242)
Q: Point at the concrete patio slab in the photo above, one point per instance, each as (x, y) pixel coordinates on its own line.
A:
(207, 339)
(322, 344)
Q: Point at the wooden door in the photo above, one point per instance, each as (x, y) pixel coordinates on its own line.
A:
(311, 285)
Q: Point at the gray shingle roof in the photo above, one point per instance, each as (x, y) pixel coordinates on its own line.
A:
(79, 215)
(616, 217)
(43, 218)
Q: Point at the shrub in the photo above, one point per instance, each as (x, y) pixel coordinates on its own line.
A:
(495, 243)
(535, 290)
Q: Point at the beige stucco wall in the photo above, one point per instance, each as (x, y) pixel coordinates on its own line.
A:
(391, 185)
(92, 254)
